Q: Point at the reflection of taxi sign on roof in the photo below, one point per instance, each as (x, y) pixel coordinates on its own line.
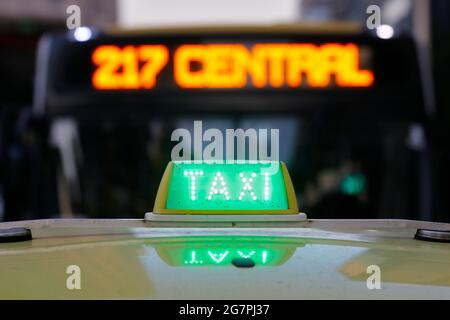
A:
(221, 250)
(237, 188)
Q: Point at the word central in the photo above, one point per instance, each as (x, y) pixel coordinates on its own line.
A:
(272, 64)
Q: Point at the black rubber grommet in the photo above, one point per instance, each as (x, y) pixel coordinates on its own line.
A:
(15, 235)
(243, 262)
(433, 235)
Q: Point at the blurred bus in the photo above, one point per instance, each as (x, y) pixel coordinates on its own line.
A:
(349, 106)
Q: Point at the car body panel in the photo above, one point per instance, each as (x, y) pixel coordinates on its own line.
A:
(137, 259)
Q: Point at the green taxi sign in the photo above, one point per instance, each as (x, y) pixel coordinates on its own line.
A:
(194, 187)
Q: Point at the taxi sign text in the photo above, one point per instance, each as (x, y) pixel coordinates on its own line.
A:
(228, 186)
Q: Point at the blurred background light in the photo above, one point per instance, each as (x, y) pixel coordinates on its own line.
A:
(82, 34)
(353, 184)
(385, 31)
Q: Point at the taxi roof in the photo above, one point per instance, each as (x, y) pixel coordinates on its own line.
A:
(122, 259)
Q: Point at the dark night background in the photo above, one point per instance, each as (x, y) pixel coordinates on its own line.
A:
(399, 165)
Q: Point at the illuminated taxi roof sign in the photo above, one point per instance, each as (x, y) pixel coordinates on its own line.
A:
(226, 188)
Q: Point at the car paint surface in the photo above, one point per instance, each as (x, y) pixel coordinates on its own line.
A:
(137, 259)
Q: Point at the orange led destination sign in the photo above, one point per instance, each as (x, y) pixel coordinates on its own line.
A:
(231, 66)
